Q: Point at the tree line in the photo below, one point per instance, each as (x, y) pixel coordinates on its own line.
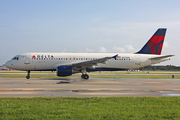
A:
(167, 67)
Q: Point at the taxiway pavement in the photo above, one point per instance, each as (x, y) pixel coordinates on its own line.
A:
(94, 87)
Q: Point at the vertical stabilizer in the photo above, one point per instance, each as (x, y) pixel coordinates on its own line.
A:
(155, 43)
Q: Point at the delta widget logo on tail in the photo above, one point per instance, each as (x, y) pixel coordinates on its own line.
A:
(155, 43)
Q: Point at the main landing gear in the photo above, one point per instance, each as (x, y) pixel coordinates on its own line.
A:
(28, 74)
(85, 76)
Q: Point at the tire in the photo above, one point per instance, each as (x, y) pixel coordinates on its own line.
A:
(86, 76)
(27, 77)
(82, 76)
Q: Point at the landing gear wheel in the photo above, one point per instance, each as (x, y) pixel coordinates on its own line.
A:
(27, 77)
(82, 76)
(85, 76)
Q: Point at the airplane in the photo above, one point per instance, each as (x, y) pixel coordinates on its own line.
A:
(66, 64)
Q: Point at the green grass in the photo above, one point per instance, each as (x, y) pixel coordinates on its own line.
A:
(113, 108)
(143, 72)
(121, 74)
(136, 76)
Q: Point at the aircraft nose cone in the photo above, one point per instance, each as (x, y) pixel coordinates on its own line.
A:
(7, 64)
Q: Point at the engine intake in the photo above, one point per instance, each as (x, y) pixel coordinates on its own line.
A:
(64, 71)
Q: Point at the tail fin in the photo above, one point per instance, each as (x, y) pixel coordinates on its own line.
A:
(155, 43)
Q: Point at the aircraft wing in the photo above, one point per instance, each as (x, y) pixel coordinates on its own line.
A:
(161, 57)
(91, 63)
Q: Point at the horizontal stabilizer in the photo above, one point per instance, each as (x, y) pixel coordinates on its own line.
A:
(160, 57)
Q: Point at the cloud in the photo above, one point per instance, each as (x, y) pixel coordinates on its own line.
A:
(167, 45)
(102, 49)
(129, 48)
(118, 49)
(89, 50)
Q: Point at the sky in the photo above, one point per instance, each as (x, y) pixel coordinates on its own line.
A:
(87, 26)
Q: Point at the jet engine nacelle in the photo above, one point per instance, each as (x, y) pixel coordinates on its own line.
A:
(64, 70)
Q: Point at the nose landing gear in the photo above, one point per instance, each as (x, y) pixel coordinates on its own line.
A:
(28, 74)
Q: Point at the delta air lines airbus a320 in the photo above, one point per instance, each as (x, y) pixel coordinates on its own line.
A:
(66, 64)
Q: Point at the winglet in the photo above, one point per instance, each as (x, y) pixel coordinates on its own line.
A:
(115, 56)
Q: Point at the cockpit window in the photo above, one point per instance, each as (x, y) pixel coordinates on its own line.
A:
(15, 58)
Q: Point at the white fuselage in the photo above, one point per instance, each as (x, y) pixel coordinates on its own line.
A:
(50, 61)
